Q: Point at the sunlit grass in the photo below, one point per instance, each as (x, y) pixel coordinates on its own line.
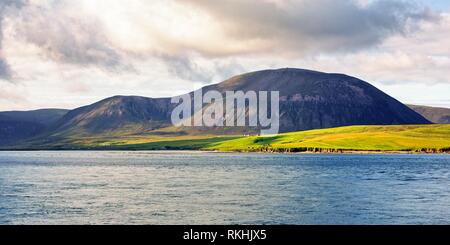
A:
(415, 138)
(357, 138)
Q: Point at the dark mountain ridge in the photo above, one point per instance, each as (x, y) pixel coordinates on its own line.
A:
(20, 125)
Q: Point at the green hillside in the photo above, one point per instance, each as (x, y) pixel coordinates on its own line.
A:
(419, 138)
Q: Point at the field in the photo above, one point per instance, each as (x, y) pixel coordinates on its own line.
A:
(414, 138)
(405, 138)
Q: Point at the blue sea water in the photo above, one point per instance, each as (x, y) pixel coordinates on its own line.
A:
(88, 187)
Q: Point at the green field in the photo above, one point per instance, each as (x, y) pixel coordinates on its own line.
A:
(405, 138)
(414, 138)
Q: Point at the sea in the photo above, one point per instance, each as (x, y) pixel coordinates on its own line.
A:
(184, 187)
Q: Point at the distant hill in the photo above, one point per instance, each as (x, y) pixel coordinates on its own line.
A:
(308, 100)
(433, 114)
(20, 125)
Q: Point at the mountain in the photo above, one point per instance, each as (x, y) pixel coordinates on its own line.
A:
(115, 116)
(308, 100)
(313, 100)
(433, 114)
(20, 125)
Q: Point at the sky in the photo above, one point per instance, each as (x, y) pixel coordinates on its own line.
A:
(66, 54)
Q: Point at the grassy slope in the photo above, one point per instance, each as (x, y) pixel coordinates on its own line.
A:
(177, 144)
(420, 138)
(149, 142)
(431, 138)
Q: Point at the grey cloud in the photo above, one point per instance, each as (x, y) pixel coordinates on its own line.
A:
(185, 67)
(227, 70)
(68, 39)
(315, 25)
(5, 70)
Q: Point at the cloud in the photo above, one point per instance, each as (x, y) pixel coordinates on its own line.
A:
(196, 68)
(5, 70)
(11, 94)
(66, 37)
(319, 26)
(184, 68)
(5, 5)
(423, 58)
(60, 49)
(77, 33)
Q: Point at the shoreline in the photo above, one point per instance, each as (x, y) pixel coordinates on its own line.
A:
(156, 151)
